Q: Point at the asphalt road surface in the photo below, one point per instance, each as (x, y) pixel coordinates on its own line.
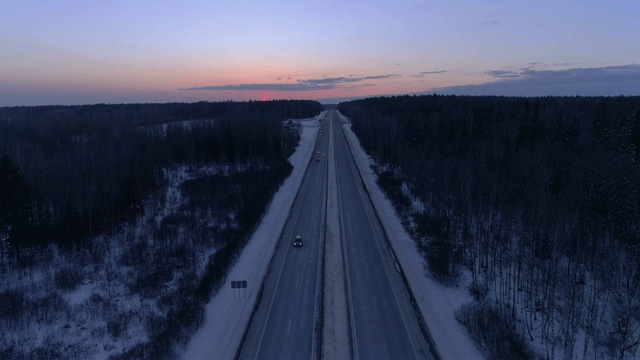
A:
(287, 322)
(383, 322)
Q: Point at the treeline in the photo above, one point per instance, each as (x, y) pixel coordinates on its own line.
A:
(539, 198)
(146, 206)
(83, 170)
(221, 212)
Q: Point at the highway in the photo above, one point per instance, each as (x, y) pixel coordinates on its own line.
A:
(382, 320)
(287, 322)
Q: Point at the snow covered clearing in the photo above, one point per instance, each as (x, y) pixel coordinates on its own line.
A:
(182, 124)
(82, 303)
(437, 302)
(228, 312)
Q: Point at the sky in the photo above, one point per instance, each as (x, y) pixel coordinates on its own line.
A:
(140, 51)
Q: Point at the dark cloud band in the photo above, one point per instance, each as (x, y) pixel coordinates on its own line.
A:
(600, 81)
(326, 83)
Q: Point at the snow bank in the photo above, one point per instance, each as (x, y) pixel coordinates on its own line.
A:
(335, 324)
(437, 302)
(228, 312)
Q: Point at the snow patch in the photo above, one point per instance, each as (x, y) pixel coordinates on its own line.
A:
(80, 295)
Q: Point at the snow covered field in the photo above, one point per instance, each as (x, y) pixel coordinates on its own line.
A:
(228, 313)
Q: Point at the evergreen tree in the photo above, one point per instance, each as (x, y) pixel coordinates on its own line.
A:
(15, 206)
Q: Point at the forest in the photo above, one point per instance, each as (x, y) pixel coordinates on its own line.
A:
(118, 221)
(535, 201)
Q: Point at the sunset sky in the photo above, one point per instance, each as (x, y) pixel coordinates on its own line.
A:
(128, 51)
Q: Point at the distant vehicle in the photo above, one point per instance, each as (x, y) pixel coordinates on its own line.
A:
(317, 159)
(317, 152)
(298, 241)
(323, 154)
(322, 133)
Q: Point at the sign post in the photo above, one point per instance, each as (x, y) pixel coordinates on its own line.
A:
(242, 284)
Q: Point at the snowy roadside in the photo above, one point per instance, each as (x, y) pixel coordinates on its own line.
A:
(228, 312)
(437, 302)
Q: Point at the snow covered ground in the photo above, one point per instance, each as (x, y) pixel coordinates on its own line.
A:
(228, 312)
